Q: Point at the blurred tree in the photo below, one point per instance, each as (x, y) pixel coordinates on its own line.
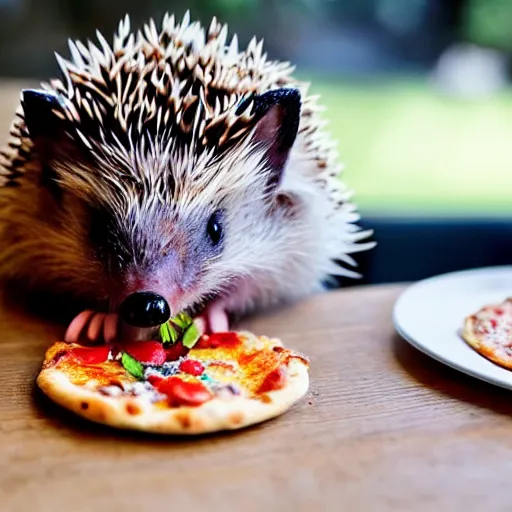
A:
(318, 34)
(31, 30)
(489, 23)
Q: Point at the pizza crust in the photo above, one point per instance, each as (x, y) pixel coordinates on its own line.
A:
(138, 413)
(495, 344)
(468, 333)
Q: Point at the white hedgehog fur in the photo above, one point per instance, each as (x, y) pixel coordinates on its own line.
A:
(268, 257)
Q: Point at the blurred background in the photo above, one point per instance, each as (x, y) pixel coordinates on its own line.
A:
(417, 92)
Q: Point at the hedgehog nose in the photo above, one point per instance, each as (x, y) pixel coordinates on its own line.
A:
(145, 309)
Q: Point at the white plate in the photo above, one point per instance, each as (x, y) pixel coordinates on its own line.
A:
(430, 313)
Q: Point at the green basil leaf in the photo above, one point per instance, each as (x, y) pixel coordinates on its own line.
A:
(132, 366)
(165, 335)
(168, 334)
(191, 336)
(173, 334)
(182, 320)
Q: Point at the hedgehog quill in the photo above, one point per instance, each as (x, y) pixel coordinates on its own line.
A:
(173, 171)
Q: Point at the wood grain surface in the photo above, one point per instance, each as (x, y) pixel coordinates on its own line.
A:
(382, 428)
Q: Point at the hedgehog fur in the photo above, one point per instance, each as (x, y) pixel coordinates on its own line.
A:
(141, 141)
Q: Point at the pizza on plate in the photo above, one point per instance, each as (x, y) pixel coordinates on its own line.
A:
(179, 385)
(489, 332)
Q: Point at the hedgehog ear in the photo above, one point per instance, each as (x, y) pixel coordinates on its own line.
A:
(49, 128)
(278, 114)
(39, 109)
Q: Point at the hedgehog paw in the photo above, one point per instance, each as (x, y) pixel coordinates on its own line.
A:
(214, 319)
(92, 327)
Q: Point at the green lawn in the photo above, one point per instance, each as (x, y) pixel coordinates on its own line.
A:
(408, 149)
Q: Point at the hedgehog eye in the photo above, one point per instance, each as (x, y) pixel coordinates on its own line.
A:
(214, 228)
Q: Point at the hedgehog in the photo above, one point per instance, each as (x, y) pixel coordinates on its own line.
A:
(172, 171)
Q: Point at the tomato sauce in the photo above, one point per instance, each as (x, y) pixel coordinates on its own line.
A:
(218, 340)
(276, 379)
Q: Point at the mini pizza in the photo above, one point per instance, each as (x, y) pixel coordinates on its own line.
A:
(182, 385)
(489, 332)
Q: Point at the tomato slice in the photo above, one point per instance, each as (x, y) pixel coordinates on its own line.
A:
(181, 392)
(174, 352)
(90, 355)
(219, 339)
(192, 367)
(155, 380)
(151, 352)
(276, 379)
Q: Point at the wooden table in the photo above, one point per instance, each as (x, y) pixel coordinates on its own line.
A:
(382, 428)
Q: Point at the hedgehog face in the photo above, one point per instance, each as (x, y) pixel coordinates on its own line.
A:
(169, 217)
(163, 252)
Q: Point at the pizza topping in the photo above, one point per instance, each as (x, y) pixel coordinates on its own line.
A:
(233, 389)
(220, 339)
(180, 327)
(223, 365)
(90, 355)
(276, 379)
(174, 352)
(166, 370)
(144, 390)
(227, 365)
(168, 333)
(150, 352)
(494, 324)
(490, 330)
(182, 321)
(155, 378)
(111, 390)
(181, 392)
(228, 391)
(192, 367)
(58, 356)
(132, 366)
(191, 336)
(138, 388)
